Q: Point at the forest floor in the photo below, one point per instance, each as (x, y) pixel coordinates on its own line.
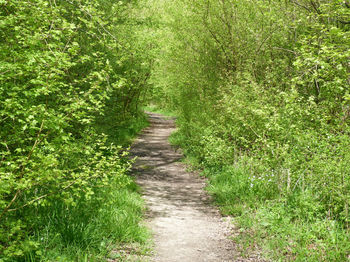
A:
(186, 226)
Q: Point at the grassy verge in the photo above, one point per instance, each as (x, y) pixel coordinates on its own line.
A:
(89, 226)
(285, 227)
(92, 230)
(289, 226)
(109, 223)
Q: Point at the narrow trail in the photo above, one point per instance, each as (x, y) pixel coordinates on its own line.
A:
(185, 225)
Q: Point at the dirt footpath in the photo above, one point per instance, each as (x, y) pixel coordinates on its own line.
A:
(185, 224)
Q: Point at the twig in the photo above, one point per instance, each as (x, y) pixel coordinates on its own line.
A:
(92, 18)
(4, 72)
(287, 50)
(267, 38)
(41, 197)
(300, 5)
(37, 141)
(10, 204)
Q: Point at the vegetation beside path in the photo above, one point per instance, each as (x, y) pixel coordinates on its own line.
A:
(261, 89)
(72, 77)
(262, 98)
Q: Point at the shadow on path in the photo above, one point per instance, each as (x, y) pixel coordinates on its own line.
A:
(186, 226)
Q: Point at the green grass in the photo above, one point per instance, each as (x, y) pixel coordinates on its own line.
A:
(288, 227)
(284, 228)
(93, 228)
(282, 237)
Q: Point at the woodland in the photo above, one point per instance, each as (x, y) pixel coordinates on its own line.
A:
(261, 91)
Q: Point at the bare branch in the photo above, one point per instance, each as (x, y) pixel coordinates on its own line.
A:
(300, 5)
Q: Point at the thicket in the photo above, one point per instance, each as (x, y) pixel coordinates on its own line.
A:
(72, 74)
(262, 93)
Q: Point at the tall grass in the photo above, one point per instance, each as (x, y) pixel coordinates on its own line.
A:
(92, 228)
(283, 224)
(95, 223)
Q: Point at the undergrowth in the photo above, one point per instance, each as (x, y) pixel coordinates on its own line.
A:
(72, 81)
(93, 223)
(90, 230)
(262, 95)
(284, 226)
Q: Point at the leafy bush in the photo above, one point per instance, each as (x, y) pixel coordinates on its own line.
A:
(262, 93)
(66, 68)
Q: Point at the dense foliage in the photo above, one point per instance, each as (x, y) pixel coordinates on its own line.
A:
(262, 93)
(261, 89)
(71, 77)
